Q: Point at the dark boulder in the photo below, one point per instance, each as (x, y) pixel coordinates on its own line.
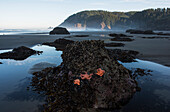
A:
(109, 84)
(59, 44)
(1, 63)
(20, 53)
(59, 30)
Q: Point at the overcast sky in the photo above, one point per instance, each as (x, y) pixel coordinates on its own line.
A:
(44, 13)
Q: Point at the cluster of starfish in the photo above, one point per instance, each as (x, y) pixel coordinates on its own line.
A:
(100, 72)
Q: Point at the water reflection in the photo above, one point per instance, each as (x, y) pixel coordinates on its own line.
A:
(15, 78)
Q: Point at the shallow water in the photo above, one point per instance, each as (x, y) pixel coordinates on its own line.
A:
(15, 78)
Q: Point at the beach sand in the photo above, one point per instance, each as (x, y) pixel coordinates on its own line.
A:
(155, 50)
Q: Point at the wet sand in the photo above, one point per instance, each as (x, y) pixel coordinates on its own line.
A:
(155, 50)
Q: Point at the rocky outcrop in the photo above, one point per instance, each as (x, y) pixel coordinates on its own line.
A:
(123, 55)
(59, 30)
(20, 53)
(132, 31)
(87, 78)
(59, 44)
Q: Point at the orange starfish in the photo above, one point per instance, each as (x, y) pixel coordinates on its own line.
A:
(77, 81)
(86, 76)
(100, 72)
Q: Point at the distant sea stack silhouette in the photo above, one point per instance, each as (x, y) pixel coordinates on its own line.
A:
(59, 30)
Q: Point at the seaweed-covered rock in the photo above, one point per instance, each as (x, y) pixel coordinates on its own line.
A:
(59, 44)
(19, 53)
(123, 55)
(59, 30)
(87, 78)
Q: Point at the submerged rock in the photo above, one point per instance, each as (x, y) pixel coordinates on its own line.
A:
(123, 55)
(59, 44)
(20, 53)
(104, 83)
(1, 63)
(59, 30)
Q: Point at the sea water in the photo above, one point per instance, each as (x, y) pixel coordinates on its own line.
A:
(15, 77)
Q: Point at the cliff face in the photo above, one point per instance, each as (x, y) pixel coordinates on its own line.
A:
(154, 19)
(94, 19)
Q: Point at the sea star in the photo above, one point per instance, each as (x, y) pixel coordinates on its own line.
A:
(77, 81)
(100, 72)
(86, 76)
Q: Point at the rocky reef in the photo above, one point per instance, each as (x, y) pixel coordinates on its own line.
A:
(59, 44)
(132, 31)
(59, 30)
(87, 79)
(20, 53)
(123, 55)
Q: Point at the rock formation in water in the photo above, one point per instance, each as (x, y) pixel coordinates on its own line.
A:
(59, 30)
(20, 53)
(87, 78)
(59, 44)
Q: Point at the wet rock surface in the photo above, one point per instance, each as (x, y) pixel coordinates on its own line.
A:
(123, 55)
(59, 30)
(114, 44)
(59, 44)
(121, 39)
(20, 53)
(110, 85)
(156, 37)
(132, 31)
(119, 35)
(81, 35)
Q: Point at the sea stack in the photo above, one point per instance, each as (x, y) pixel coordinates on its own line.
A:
(87, 78)
(59, 30)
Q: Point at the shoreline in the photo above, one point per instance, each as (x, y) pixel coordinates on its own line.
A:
(155, 50)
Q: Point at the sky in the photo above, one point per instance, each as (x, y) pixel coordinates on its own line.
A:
(37, 14)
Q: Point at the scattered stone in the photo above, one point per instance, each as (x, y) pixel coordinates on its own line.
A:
(114, 44)
(111, 90)
(81, 35)
(121, 39)
(132, 31)
(156, 37)
(119, 35)
(20, 53)
(59, 44)
(123, 55)
(141, 72)
(161, 33)
(59, 30)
